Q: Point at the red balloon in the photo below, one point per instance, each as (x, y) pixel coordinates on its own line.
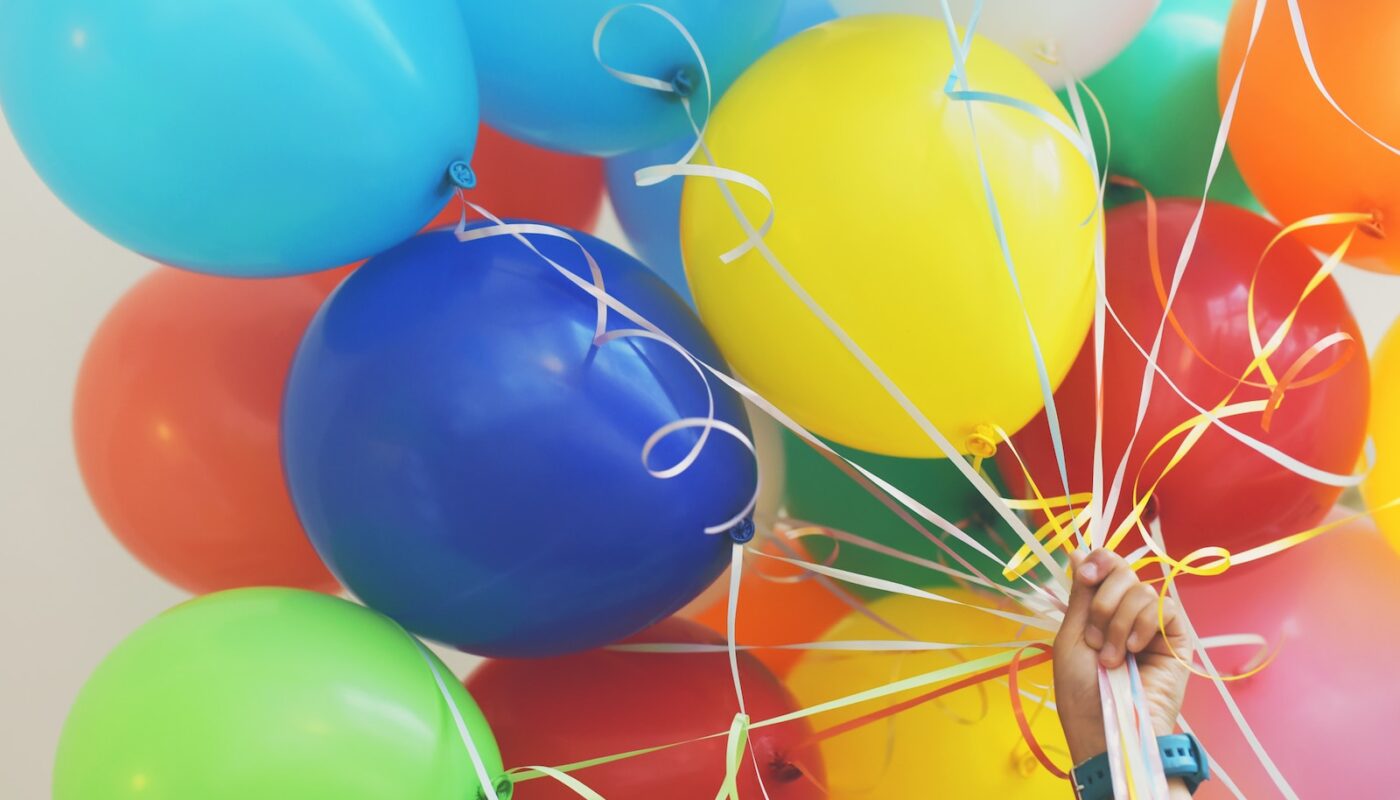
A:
(602, 702)
(176, 419)
(1222, 493)
(514, 179)
(1325, 709)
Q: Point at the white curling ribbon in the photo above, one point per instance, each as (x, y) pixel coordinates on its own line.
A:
(837, 535)
(605, 301)
(707, 424)
(1216, 772)
(519, 231)
(488, 783)
(841, 594)
(1148, 740)
(650, 176)
(1300, 34)
(1101, 514)
(895, 587)
(753, 237)
(753, 240)
(1257, 747)
(959, 75)
(1227, 116)
(1267, 450)
(843, 646)
(1236, 714)
(736, 569)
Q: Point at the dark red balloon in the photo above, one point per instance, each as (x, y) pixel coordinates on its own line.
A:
(1222, 493)
(602, 702)
(514, 179)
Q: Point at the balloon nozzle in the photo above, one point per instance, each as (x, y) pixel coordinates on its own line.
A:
(461, 175)
(1376, 227)
(683, 82)
(982, 443)
(505, 787)
(743, 532)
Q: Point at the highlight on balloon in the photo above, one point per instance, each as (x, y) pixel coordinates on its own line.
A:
(770, 399)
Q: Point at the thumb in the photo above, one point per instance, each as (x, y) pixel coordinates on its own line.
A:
(1081, 597)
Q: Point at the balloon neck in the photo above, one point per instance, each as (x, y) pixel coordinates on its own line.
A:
(461, 175)
(743, 532)
(683, 82)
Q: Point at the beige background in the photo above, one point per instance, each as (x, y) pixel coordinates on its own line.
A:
(68, 592)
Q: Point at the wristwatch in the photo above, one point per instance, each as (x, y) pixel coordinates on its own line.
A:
(1182, 757)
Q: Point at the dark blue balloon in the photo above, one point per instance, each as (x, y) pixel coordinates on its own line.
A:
(469, 463)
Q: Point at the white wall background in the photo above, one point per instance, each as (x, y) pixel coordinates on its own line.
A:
(68, 592)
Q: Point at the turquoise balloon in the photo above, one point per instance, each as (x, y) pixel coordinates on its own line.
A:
(541, 83)
(271, 694)
(242, 137)
(1159, 96)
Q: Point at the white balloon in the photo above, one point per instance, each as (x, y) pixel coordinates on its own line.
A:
(1061, 39)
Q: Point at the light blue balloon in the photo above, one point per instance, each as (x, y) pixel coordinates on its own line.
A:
(541, 83)
(799, 15)
(242, 137)
(651, 215)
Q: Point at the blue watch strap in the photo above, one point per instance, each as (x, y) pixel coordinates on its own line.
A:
(1182, 757)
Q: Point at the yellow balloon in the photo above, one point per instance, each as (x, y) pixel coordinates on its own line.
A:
(1383, 484)
(881, 217)
(964, 744)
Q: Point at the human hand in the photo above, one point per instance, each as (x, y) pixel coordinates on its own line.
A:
(1111, 614)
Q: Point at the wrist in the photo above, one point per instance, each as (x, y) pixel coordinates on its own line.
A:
(1084, 745)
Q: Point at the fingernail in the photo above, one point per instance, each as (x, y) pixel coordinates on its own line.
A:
(1132, 641)
(1089, 571)
(1108, 656)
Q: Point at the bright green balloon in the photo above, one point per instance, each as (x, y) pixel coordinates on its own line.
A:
(1159, 96)
(819, 492)
(273, 694)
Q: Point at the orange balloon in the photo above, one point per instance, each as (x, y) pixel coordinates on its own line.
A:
(1299, 156)
(515, 179)
(777, 612)
(176, 423)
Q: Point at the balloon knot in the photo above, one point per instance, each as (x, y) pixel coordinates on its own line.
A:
(505, 787)
(743, 532)
(1376, 227)
(1048, 51)
(784, 771)
(461, 174)
(683, 82)
(983, 442)
(1024, 764)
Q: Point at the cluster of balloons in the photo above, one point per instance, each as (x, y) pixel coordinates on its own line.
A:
(510, 437)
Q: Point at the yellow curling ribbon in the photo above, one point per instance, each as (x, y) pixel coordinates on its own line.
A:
(1195, 428)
